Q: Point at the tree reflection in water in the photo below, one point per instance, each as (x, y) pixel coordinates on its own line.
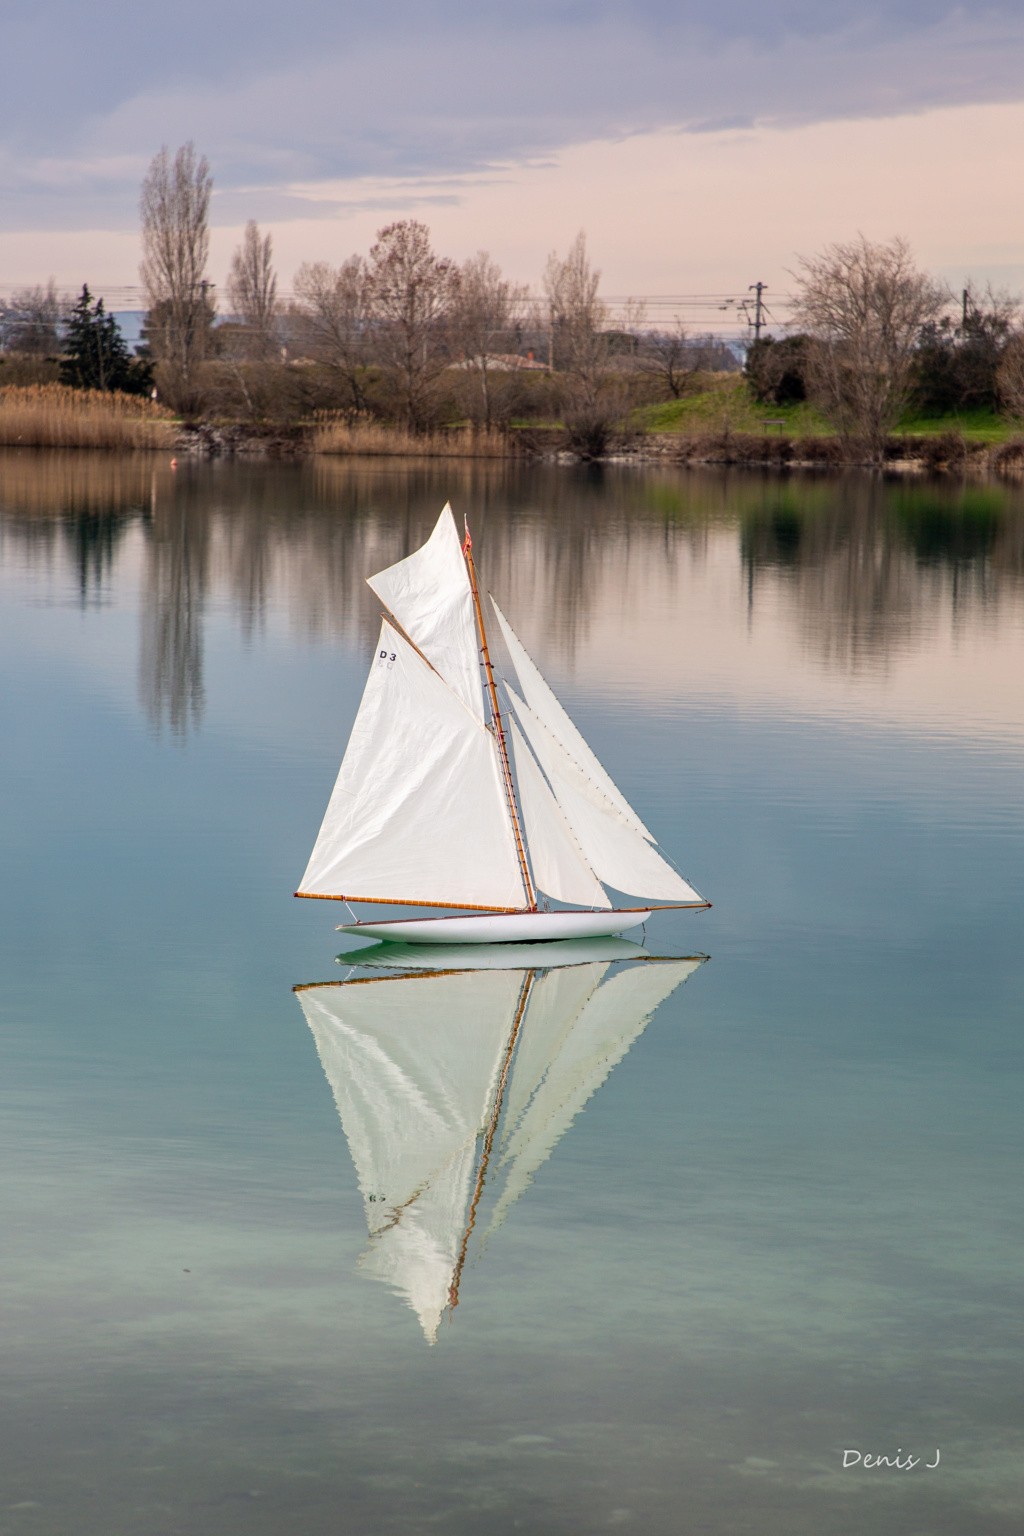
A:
(864, 565)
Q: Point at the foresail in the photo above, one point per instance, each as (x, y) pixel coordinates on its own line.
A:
(559, 867)
(618, 854)
(567, 1048)
(548, 709)
(419, 811)
(430, 596)
(413, 1063)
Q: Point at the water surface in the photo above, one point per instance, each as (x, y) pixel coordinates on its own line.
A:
(786, 1224)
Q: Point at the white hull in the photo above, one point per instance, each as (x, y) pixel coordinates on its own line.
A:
(492, 957)
(500, 927)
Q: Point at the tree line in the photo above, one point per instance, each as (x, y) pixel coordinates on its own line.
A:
(874, 336)
(404, 334)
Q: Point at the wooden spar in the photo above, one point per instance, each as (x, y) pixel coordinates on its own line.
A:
(499, 734)
(462, 906)
(485, 1156)
(361, 981)
(398, 901)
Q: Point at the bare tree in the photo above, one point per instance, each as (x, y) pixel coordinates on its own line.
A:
(31, 320)
(673, 357)
(333, 316)
(484, 320)
(579, 319)
(864, 306)
(412, 294)
(252, 290)
(175, 208)
(1010, 378)
(594, 398)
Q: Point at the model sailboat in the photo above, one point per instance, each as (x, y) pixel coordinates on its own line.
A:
(438, 805)
(499, 1063)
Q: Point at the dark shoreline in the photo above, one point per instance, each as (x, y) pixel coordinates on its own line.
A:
(948, 453)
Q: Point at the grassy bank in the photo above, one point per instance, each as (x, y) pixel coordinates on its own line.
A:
(724, 404)
(718, 422)
(53, 416)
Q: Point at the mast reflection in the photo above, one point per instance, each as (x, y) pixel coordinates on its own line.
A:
(454, 1069)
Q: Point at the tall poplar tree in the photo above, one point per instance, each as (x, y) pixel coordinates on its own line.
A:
(175, 209)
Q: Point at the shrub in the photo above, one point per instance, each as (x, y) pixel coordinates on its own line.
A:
(777, 370)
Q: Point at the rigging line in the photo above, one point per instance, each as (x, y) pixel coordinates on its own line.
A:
(485, 1156)
(499, 734)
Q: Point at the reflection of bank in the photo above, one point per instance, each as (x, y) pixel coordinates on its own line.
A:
(446, 1078)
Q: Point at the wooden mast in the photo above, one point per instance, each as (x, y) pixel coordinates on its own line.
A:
(524, 997)
(499, 734)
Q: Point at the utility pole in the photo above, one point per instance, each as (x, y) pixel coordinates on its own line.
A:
(758, 288)
(965, 296)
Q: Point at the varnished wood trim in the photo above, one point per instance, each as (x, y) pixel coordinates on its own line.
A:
(396, 901)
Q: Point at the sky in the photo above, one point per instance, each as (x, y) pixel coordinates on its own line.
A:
(702, 147)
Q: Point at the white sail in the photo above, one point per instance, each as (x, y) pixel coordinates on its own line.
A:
(568, 1044)
(548, 710)
(556, 1002)
(418, 812)
(618, 855)
(430, 596)
(413, 1063)
(559, 867)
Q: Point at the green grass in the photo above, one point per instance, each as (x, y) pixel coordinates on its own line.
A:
(727, 401)
(983, 426)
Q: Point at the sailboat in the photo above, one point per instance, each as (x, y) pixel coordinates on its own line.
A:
(444, 801)
(500, 1060)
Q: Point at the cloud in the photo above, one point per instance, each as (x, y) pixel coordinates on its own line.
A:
(666, 213)
(339, 91)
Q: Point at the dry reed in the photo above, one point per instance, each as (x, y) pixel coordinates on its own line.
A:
(380, 439)
(54, 416)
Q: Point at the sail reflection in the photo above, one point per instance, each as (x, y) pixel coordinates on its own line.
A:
(450, 1080)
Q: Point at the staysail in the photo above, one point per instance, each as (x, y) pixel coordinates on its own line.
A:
(418, 812)
(551, 714)
(559, 866)
(616, 852)
(430, 596)
(413, 1063)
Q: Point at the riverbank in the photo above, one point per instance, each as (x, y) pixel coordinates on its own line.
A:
(904, 453)
(52, 416)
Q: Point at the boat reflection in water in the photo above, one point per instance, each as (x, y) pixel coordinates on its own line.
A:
(455, 1066)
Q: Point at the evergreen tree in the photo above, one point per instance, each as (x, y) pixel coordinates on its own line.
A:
(96, 355)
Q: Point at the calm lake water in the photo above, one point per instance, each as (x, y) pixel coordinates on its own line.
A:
(781, 1223)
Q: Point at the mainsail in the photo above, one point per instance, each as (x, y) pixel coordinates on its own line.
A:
(415, 1064)
(418, 812)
